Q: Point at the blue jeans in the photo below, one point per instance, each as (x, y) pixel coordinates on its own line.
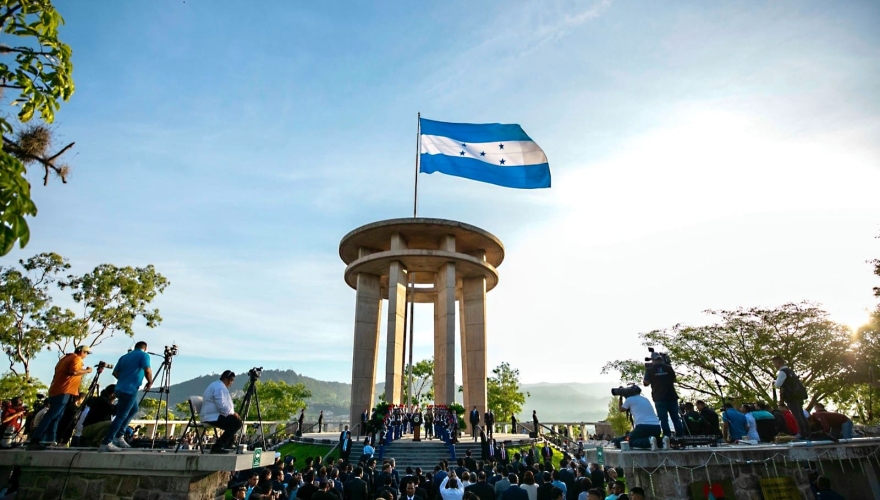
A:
(641, 434)
(51, 418)
(126, 408)
(669, 408)
(846, 430)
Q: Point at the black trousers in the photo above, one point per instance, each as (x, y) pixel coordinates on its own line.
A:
(230, 424)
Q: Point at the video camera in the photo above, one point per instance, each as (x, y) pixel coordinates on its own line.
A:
(630, 390)
(663, 357)
(103, 364)
(255, 372)
(171, 351)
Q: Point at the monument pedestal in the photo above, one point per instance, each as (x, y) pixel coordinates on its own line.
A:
(83, 473)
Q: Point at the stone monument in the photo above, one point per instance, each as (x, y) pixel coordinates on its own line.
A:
(448, 261)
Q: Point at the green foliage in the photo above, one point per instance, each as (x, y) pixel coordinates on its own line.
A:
(12, 385)
(504, 395)
(112, 298)
(26, 315)
(181, 409)
(278, 400)
(38, 67)
(739, 346)
(423, 381)
(147, 410)
(618, 420)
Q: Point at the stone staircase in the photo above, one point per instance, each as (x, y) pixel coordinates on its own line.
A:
(426, 453)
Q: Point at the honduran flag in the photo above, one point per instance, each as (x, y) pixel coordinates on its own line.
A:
(492, 152)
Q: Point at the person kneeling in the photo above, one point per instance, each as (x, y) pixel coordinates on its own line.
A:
(218, 411)
(646, 430)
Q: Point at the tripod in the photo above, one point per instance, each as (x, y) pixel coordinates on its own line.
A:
(250, 394)
(164, 390)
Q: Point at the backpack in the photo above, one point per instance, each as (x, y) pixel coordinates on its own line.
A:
(793, 385)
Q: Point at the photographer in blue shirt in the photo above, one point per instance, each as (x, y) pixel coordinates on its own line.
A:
(130, 371)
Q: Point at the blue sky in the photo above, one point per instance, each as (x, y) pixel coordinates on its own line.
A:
(704, 155)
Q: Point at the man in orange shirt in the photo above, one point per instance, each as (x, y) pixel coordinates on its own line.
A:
(65, 385)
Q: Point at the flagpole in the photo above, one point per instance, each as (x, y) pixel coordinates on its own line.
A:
(418, 147)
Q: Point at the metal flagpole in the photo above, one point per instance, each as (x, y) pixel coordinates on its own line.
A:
(412, 274)
(418, 148)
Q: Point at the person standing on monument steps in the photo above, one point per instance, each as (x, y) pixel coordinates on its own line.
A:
(345, 444)
(365, 416)
(535, 423)
(475, 422)
(320, 421)
(130, 371)
(513, 423)
(301, 420)
(793, 394)
(489, 420)
(218, 411)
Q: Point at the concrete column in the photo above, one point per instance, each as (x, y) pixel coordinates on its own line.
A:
(444, 329)
(474, 298)
(368, 310)
(396, 326)
(462, 328)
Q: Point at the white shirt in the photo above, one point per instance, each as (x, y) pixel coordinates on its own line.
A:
(216, 401)
(642, 411)
(780, 377)
(451, 493)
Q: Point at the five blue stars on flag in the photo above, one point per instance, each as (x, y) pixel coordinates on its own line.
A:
(482, 153)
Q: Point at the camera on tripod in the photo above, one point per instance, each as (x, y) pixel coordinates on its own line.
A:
(171, 351)
(255, 372)
(630, 390)
(103, 364)
(663, 357)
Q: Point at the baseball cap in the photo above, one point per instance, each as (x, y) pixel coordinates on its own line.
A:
(82, 348)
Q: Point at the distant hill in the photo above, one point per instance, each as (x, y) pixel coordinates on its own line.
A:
(571, 402)
(332, 397)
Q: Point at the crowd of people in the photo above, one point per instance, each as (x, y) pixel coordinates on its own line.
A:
(748, 423)
(521, 477)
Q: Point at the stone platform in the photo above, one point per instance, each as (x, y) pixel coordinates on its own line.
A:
(83, 473)
(853, 467)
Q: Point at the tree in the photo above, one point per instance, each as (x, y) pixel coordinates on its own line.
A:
(12, 385)
(26, 327)
(112, 298)
(148, 406)
(504, 396)
(423, 381)
(38, 67)
(278, 400)
(738, 348)
(618, 420)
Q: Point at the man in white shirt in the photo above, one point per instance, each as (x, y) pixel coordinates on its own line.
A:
(646, 430)
(218, 411)
(793, 394)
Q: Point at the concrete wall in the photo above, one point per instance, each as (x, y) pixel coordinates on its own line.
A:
(40, 485)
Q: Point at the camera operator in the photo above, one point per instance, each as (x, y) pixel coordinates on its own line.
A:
(661, 377)
(98, 414)
(130, 371)
(646, 425)
(218, 411)
(65, 384)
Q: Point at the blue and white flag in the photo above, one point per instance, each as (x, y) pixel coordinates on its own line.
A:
(493, 152)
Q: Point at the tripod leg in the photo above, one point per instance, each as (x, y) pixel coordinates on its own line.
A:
(260, 419)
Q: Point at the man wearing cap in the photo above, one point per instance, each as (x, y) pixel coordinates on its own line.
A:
(661, 377)
(218, 411)
(65, 384)
(130, 371)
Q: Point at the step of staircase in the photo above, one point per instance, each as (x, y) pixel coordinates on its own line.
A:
(425, 454)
